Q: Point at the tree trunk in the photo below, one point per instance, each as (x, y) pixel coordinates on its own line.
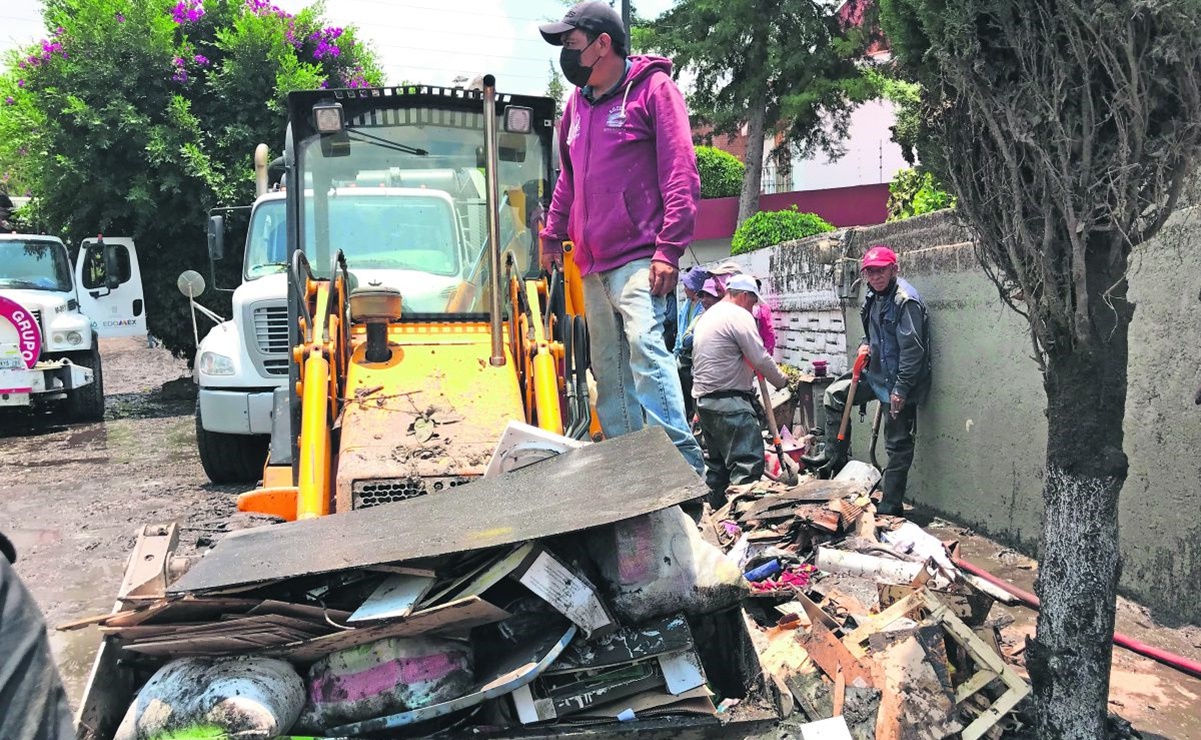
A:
(752, 179)
(1069, 659)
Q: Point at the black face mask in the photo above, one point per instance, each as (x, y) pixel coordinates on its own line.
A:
(575, 72)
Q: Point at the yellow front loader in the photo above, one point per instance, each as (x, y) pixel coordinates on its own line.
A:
(419, 319)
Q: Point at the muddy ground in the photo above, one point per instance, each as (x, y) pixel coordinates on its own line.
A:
(74, 496)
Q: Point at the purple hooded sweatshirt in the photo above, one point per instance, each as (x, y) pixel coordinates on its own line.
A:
(629, 186)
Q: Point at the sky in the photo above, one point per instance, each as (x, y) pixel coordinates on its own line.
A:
(429, 41)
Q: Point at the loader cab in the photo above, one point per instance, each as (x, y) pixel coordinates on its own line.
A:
(422, 146)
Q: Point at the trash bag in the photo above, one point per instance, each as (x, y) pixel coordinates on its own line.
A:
(658, 564)
(227, 697)
(385, 677)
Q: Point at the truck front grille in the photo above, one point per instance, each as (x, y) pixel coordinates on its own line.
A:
(271, 337)
(37, 319)
(376, 491)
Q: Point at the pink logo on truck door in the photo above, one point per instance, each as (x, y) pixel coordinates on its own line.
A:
(29, 336)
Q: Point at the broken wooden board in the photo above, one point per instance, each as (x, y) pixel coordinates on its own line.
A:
(832, 656)
(300, 611)
(611, 481)
(807, 492)
(972, 607)
(917, 701)
(186, 609)
(457, 615)
(988, 662)
(876, 623)
(219, 638)
(519, 667)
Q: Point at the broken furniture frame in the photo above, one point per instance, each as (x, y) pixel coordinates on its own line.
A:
(989, 664)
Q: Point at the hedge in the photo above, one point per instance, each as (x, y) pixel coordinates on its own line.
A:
(767, 228)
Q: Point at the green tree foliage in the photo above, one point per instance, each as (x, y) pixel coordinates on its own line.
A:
(907, 98)
(556, 90)
(914, 192)
(775, 65)
(721, 172)
(1066, 130)
(135, 117)
(768, 228)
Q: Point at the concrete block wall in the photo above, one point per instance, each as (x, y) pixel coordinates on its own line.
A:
(799, 285)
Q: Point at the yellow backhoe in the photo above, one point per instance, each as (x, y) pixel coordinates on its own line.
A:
(421, 323)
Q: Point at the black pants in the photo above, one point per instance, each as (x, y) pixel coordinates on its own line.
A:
(686, 386)
(735, 442)
(898, 439)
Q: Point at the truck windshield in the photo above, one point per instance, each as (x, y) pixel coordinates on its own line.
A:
(380, 229)
(34, 265)
(421, 205)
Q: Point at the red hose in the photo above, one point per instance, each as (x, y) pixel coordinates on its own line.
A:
(1179, 662)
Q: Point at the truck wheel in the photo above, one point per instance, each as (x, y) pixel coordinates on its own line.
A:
(230, 458)
(87, 403)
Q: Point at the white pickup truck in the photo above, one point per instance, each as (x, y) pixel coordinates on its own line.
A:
(51, 318)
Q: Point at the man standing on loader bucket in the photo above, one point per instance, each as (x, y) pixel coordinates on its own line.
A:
(727, 350)
(896, 335)
(626, 197)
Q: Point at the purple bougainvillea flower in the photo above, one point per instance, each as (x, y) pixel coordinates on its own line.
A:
(20, 83)
(201, 59)
(10, 100)
(120, 17)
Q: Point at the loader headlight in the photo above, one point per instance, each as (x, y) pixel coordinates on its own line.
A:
(74, 337)
(212, 363)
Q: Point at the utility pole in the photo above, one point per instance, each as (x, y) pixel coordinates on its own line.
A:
(625, 21)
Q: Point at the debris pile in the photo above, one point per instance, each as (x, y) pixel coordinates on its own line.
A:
(863, 623)
(518, 601)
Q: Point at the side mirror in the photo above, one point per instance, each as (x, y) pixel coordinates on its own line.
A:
(112, 267)
(190, 283)
(216, 234)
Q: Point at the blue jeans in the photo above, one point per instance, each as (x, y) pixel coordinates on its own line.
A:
(636, 375)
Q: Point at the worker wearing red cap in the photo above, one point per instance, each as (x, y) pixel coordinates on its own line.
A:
(896, 335)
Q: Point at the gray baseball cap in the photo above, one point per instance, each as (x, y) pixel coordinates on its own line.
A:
(594, 16)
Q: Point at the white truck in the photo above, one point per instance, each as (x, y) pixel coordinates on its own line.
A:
(242, 362)
(52, 316)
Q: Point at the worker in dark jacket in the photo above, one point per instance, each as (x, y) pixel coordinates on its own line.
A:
(33, 705)
(896, 329)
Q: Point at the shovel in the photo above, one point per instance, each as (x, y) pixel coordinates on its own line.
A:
(788, 467)
(856, 371)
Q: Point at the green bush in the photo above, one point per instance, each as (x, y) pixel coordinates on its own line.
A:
(913, 192)
(768, 228)
(721, 172)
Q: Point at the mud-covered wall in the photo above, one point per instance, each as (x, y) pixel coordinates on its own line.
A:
(982, 436)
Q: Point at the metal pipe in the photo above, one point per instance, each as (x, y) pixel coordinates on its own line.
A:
(493, 205)
(1172, 660)
(260, 169)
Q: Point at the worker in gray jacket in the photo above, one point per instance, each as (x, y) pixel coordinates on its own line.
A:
(727, 351)
(896, 334)
(33, 705)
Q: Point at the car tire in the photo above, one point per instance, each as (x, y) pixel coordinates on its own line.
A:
(87, 403)
(230, 458)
